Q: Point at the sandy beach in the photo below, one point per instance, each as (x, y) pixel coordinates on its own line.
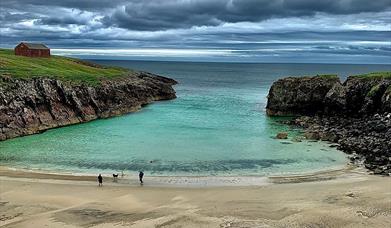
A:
(348, 199)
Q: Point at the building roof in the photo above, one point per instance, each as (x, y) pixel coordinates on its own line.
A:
(35, 45)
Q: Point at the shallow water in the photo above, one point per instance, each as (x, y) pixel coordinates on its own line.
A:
(216, 126)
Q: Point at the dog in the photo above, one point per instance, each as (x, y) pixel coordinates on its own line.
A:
(115, 176)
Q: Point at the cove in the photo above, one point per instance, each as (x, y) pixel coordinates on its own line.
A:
(216, 126)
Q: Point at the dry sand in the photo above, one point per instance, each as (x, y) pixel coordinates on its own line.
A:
(352, 199)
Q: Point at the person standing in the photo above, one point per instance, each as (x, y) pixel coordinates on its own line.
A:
(140, 176)
(100, 180)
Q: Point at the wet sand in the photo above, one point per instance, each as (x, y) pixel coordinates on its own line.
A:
(347, 198)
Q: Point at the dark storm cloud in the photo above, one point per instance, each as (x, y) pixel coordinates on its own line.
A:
(60, 21)
(229, 28)
(150, 15)
(155, 15)
(73, 4)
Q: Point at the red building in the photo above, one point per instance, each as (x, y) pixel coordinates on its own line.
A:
(32, 50)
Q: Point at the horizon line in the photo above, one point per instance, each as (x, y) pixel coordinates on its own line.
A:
(238, 62)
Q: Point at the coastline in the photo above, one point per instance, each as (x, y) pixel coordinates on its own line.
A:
(354, 114)
(201, 181)
(49, 103)
(352, 199)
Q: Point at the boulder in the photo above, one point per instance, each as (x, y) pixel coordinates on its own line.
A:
(282, 135)
(313, 135)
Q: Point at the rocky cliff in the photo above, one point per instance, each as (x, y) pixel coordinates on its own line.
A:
(297, 96)
(357, 96)
(355, 114)
(29, 106)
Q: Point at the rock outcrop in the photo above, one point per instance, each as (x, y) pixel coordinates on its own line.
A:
(355, 114)
(357, 96)
(298, 96)
(34, 105)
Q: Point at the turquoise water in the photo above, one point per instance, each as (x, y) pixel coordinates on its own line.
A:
(216, 126)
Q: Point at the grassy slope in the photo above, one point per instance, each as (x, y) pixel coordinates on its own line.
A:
(323, 76)
(64, 68)
(386, 74)
(77, 71)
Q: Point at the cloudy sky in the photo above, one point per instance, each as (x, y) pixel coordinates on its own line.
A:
(342, 31)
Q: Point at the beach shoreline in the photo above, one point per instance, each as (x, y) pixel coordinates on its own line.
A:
(182, 181)
(352, 198)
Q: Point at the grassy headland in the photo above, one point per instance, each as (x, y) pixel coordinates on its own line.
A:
(64, 68)
(327, 75)
(386, 74)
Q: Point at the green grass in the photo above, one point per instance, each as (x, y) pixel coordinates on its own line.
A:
(373, 90)
(66, 69)
(327, 75)
(323, 76)
(386, 74)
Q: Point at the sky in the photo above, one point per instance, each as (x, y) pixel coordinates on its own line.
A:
(303, 31)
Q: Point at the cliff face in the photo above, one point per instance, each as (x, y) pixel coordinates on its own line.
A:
(367, 95)
(357, 96)
(31, 106)
(292, 96)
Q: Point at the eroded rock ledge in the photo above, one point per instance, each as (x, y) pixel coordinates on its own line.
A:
(355, 114)
(34, 105)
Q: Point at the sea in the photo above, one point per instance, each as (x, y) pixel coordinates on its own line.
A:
(216, 126)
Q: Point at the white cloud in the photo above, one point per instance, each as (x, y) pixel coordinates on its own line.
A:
(146, 52)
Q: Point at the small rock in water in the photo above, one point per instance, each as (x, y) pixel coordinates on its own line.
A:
(282, 135)
(312, 135)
